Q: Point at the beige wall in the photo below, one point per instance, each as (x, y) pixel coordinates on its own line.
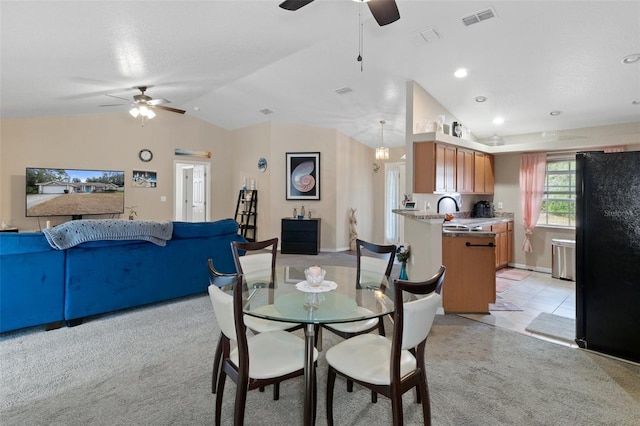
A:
(112, 141)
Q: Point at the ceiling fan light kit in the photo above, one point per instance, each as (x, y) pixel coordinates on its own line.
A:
(143, 106)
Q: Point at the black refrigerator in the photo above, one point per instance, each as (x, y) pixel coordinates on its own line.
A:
(608, 253)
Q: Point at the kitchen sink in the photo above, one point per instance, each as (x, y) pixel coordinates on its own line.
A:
(454, 227)
(459, 227)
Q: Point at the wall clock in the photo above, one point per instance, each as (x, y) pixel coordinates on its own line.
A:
(145, 155)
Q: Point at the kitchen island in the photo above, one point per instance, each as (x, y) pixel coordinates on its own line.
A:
(465, 246)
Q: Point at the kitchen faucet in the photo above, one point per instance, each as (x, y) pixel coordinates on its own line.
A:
(451, 198)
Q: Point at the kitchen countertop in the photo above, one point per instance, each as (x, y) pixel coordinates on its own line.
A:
(434, 218)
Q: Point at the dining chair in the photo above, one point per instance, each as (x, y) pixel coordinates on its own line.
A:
(259, 267)
(221, 280)
(255, 362)
(393, 366)
(373, 261)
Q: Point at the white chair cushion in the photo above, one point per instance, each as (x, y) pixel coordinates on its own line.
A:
(356, 326)
(367, 358)
(274, 354)
(261, 325)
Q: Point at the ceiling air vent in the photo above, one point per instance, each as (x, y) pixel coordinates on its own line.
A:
(479, 16)
(266, 111)
(343, 90)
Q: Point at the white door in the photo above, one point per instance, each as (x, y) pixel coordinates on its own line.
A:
(191, 191)
(394, 194)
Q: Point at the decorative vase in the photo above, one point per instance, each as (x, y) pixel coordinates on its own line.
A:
(403, 271)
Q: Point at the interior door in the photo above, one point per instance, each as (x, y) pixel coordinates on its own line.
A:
(394, 194)
(187, 194)
(192, 203)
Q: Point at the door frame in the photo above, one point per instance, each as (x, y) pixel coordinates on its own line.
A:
(178, 166)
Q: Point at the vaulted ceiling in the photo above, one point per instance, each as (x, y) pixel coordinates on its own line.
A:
(227, 61)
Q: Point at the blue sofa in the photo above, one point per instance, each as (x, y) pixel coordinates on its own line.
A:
(31, 281)
(103, 276)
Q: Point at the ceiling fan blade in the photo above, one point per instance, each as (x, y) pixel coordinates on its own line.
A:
(166, 108)
(110, 105)
(117, 97)
(294, 4)
(155, 102)
(385, 11)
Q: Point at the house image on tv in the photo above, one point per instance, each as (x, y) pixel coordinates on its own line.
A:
(57, 187)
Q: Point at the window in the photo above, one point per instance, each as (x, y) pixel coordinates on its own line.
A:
(559, 200)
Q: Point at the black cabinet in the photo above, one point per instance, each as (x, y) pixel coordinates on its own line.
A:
(300, 236)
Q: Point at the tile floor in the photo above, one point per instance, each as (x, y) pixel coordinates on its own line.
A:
(537, 293)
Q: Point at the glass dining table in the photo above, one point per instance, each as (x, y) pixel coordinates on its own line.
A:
(288, 297)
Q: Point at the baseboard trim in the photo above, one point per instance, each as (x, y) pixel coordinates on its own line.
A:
(530, 268)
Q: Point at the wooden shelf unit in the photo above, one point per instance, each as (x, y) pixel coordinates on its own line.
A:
(246, 213)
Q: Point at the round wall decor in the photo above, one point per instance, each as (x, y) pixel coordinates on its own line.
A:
(262, 164)
(145, 155)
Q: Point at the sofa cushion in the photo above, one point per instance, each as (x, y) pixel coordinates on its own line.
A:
(204, 229)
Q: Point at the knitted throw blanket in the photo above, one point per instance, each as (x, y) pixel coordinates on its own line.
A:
(75, 232)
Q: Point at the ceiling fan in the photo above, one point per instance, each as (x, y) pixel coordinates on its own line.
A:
(143, 100)
(384, 11)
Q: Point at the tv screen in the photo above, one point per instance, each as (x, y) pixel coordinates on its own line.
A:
(71, 192)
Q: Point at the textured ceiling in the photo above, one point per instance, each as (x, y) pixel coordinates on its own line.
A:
(223, 61)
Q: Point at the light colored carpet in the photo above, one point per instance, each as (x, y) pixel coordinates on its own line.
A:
(152, 366)
(553, 326)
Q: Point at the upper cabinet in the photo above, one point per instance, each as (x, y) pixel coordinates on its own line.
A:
(440, 167)
(483, 176)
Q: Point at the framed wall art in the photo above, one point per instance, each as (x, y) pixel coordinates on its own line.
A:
(303, 175)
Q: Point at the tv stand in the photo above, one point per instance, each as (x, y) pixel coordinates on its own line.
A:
(76, 217)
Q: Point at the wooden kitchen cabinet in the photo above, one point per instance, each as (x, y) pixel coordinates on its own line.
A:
(470, 281)
(434, 167)
(440, 168)
(465, 171)
(504, 243)
(483, 182)
(509, 242)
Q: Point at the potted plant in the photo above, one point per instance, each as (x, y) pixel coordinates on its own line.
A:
(132, 212)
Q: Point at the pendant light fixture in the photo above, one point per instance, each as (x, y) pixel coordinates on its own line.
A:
(382, 153)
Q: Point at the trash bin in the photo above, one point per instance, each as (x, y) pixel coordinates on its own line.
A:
(563, 259)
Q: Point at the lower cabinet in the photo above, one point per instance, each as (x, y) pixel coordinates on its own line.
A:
(470, 281)
(504, 244)
(300, 236)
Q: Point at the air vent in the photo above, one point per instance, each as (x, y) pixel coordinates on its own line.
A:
(343, 90)
(266, 111)
(422, 37)
(479, 16)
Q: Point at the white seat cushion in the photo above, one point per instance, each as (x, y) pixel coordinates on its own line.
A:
(356, 326)
(261, 325)
(367, 358)
(274, 354)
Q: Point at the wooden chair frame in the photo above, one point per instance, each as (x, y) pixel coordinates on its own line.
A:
(399, 385)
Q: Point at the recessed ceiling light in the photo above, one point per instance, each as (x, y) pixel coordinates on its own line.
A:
(196, 108)
(555, 113)
(631, 59)
(498, 120)
(460, 73)
(481, 99)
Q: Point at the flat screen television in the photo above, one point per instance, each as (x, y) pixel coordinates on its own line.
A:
(71, 192)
